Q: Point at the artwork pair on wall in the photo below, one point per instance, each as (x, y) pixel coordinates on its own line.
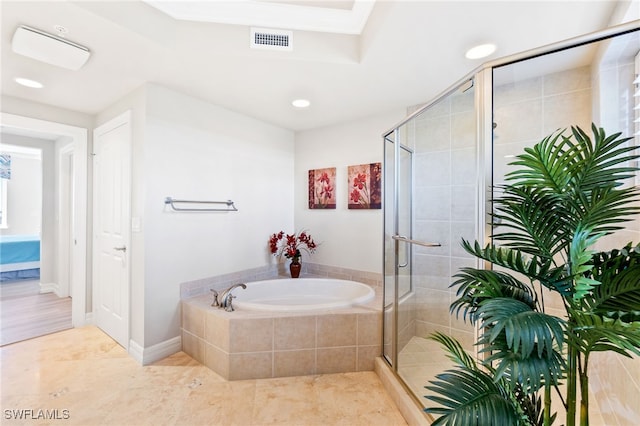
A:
(364, 183)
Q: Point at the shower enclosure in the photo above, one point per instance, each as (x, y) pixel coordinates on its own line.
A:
(432, 185)
(440, 167)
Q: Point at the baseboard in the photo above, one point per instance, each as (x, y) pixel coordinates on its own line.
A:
(88, 318)
(49, 288)
(156, 352)
(136, 351)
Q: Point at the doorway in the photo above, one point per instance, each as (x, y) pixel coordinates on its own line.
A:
(78, 140)
(111, 224)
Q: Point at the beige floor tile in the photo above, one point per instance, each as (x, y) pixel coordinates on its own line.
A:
(286, 401)
(83, 374)
(355, 399)
(219, 403)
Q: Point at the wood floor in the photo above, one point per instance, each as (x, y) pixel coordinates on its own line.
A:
(25, 313)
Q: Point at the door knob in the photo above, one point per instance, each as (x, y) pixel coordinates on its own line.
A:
(123, 248)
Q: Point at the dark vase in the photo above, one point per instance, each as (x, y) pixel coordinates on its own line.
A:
(294, 267)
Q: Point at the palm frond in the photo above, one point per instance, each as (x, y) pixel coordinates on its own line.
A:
(581, 176)
(524, 329)
(545, 164)
(471, 398)
(575, 164)
(604, 209)
(619, 274)
(455, 351)
(532, 371)
(580, 257)
(535, 268)
(598, 158)
(533, 220)
(595, 333)
(477, 285)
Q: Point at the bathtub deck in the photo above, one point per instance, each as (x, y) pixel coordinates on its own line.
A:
(247, 344)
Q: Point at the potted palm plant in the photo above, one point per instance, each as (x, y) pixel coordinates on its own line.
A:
(567, 193)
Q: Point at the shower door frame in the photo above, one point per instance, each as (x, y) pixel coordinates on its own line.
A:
(397, 238)
(481, 80)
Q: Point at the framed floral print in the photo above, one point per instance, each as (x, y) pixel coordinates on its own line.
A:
(322, 188)
(365, 186)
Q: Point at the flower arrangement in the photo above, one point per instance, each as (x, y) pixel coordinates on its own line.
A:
(289, 245)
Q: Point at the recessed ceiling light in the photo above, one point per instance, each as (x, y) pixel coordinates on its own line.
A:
(29, 83)
(480, 51)
(301, 103)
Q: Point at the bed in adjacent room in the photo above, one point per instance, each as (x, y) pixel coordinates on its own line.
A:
(19, 257)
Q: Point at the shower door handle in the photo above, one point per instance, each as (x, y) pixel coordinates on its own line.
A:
(410, 241)
(405, 264)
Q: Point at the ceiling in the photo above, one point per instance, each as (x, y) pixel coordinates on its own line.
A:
(404, 53)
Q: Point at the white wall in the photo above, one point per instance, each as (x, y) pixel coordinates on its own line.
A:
(349, 238)
(30, 109)
(189, 149)
(198, 151)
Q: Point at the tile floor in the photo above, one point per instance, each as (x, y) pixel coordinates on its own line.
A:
(82, 377)
(420, 361)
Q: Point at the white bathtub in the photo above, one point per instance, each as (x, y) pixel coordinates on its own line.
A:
(301, 294)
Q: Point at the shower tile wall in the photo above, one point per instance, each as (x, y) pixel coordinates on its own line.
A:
(444, 210)
(615, 378)
(527, 111)
(613, 105)
(445, 196)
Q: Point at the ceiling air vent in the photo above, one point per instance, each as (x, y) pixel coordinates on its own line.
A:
(262, 38)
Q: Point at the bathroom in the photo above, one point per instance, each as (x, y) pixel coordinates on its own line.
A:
(234, 154)
(527, 104)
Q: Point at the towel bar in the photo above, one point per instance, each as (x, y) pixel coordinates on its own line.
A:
(171, 202)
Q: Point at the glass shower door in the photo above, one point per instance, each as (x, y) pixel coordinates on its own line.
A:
(398, 230)
(431, 203)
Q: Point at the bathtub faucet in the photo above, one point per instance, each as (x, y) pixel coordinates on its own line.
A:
(215, 298)
(226, 298)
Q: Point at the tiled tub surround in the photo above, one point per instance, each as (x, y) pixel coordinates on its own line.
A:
(309, 270)
(248, 344)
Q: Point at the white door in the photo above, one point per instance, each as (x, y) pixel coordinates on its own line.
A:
(111, 253)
